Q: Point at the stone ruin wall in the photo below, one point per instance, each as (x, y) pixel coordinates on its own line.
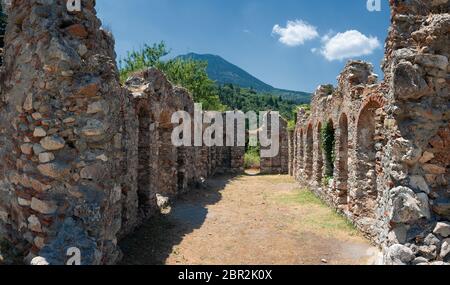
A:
(74, 142)
(280, 163)
(353, 182)
(392, 139)
(83, 159)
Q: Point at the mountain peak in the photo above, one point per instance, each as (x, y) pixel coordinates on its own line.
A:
(224, 72)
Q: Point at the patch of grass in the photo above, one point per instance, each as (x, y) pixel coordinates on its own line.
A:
(317, 216)
(332, 221)
(303, 197)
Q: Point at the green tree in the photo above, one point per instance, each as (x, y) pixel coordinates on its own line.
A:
(192, 75)
(148, 56)
(187, 73)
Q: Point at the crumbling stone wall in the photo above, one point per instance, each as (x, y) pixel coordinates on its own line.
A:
(278, 164)
(351, 111)
(417, 155)
(162, 169)
(292, 142)
(391, 168)
(83, 159)
(60, 128)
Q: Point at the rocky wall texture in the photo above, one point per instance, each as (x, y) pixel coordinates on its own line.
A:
(390, 156)
(60, 126)
(416, 159)
(280, 163)
(83, 160)
(353, 110)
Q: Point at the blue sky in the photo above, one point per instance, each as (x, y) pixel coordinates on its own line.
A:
(290, 44)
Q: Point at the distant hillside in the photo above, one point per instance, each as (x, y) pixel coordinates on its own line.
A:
(224, 72)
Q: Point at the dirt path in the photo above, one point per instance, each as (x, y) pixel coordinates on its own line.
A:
(248, 220)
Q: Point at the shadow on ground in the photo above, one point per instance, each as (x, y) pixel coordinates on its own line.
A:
(153, 243)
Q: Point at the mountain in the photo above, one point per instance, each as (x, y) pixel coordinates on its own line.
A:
(224, 72)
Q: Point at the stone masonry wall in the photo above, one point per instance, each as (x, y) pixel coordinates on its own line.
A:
(61, 100)
(83, 160)
(391, 152)
(280, 163)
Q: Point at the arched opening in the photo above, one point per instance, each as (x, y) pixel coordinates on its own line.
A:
(328, 147)
(168, 158)
(342, 160)
(144, 160)
(366, 158)
(319, 155)
(182, 183)
(309, 153)
(181, 170)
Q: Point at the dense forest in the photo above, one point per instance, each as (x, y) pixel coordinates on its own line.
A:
(245, 99)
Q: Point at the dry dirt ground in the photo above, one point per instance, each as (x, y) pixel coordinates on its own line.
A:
(248, 220)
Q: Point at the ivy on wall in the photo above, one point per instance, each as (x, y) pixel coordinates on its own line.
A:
(328, 147)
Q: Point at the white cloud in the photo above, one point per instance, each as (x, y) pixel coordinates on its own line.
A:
(348, 44)
(295, 33)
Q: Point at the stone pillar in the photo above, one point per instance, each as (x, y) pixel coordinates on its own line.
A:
(318, 155)
(416, 160)
(60, 134)
(293, 153)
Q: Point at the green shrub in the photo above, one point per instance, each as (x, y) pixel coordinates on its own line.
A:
(252, 160)
(328, 146)
(326, 181)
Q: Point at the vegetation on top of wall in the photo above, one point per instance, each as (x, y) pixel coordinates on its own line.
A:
(328, 146)
(305, 107)
(187, 73)
(329, 89)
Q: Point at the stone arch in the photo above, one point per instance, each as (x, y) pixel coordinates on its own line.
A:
(318, 155)
(309, 152)
(341, 167)
(366, 155)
